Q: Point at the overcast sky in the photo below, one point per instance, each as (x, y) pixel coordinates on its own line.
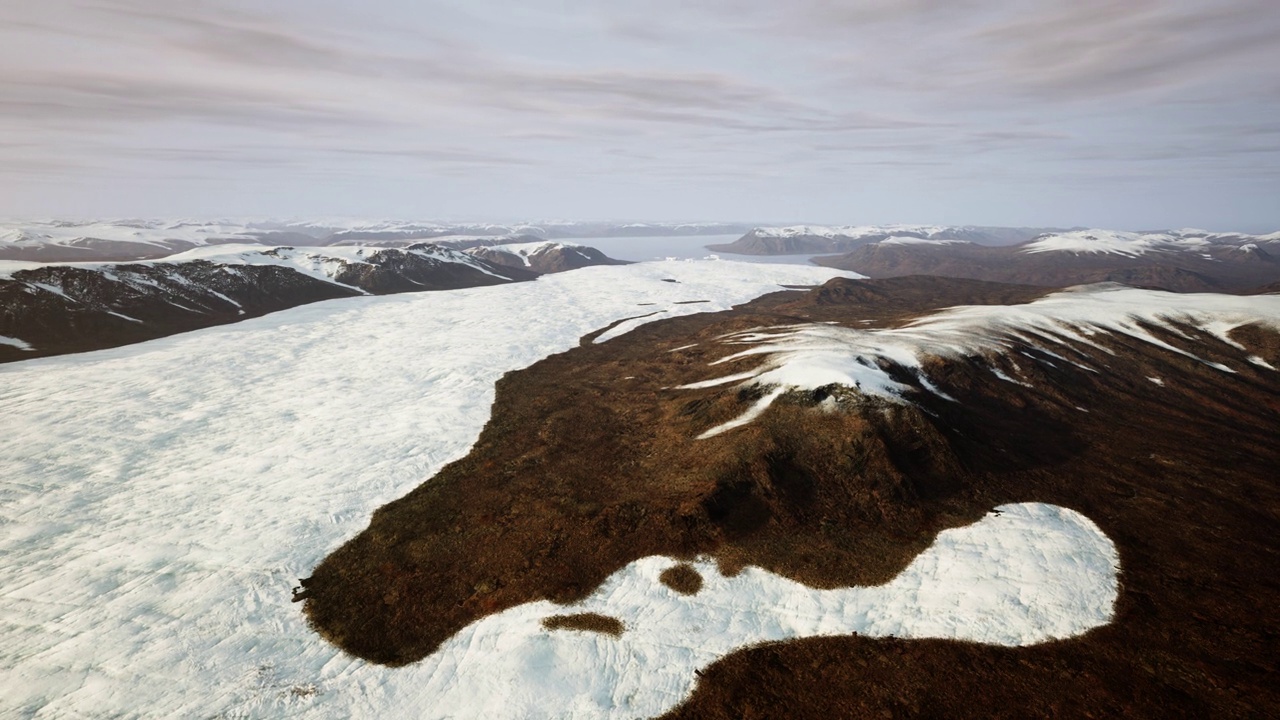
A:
(1131, 114)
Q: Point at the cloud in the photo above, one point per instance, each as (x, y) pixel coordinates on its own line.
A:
(641, 92)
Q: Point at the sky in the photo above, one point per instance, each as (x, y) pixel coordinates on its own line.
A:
(1127, 114)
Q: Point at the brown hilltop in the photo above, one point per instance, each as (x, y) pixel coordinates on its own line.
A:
(590, 461)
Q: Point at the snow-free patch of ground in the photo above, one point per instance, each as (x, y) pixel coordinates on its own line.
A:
(159, 501)
(811, 356)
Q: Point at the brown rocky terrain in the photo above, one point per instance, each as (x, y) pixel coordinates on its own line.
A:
(1223, 268)
(590, 461)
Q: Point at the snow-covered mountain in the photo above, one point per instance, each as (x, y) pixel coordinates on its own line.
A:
(818, 239)
(61, 241)
(1134, 244)
(547, 256)
(51, 309)
(875, 362)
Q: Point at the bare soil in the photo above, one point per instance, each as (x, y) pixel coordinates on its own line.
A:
(586, 622)
(682, 578)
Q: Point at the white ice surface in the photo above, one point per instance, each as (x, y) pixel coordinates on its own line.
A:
(811, 356)
(1026, 574)
(158, 501)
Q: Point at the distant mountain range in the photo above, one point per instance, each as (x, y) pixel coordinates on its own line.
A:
(1182, 261)
(50, 309)
(1178, 260)
(63, 241)
(817, 239)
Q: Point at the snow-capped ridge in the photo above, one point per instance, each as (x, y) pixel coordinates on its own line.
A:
(811, 356)
(1135, 244)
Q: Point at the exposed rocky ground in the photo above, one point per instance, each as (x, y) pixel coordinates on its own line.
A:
(1159, 426)
(55, 309)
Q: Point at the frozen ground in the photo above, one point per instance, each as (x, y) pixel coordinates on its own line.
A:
(158, 501)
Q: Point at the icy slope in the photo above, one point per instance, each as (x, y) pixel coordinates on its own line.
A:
(158, 501)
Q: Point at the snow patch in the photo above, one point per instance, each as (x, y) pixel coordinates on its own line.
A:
(15, 342)
(1025, 574)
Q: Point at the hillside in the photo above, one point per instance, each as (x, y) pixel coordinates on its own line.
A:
(834, 440)
(55, 309)
(1187, 261)
(122, 240)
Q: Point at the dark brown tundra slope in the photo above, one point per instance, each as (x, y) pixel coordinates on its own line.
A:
(58, 309)
(591, 461)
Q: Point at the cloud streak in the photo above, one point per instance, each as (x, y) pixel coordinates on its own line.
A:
(520, 101)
